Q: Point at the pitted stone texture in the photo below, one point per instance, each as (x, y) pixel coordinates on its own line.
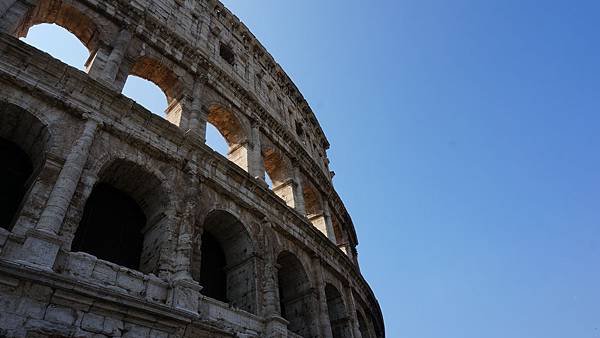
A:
(79, 131)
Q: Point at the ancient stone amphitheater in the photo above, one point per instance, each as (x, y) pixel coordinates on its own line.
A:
(117, 222)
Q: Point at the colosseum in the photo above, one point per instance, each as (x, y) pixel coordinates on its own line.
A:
(116, 222)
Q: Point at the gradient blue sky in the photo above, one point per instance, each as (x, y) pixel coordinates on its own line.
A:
(464, 135)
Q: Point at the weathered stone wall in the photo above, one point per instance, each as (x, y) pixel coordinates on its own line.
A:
(79, 131)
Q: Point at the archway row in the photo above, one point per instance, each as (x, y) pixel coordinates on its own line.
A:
(151, 81)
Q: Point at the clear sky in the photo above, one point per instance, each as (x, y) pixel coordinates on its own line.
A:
(464, 136)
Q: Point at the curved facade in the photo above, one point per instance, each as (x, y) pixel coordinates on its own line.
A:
(117, 222)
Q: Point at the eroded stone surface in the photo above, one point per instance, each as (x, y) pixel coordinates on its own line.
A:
(282, 262)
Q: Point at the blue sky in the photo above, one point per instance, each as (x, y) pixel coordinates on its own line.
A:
(464, 136)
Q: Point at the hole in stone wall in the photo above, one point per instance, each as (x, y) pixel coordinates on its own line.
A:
(125, 216)
(147, 94)
(295, 299)
(111, 227)
(227, 270)
(14, 176)
(215, 140)
(337, 312)
(268, 180)
(226, 52)
(299, 129)
(212, 269)
(58, 42)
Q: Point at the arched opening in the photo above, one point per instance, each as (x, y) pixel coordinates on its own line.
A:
(340, 237)
(124, 219)
(213, 277)
(14, 175)
(313, 203)
(296, 297)
(60, 30)
(111, 227)
(147, 94)
(362, 326)
(59, 43)
(155, 87)
(337, 312)
(227, 262)
(276, 166)
(232, 131)
(278, 172)
(215, 140)
(23, 141)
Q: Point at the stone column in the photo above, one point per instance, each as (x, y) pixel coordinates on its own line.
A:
(105, 66)
(324, 322)
(185, 290)
(197, 116)
(298, 189)
(183, 250)
(276, 325)
(322, 221)
(113, 63)
(42, 243)
(256, 166)
(352, 312)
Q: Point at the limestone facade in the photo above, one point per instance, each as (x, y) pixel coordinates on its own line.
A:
(116, 222)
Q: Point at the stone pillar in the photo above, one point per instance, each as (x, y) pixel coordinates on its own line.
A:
(185, 290)
(106, 62)
(197, 116)
(352, 312)
(183, 254)
(323, 222)
(42, 243)
(325, 324)
(276, 326)
(240, 155)
(256, 166)
(298, 189)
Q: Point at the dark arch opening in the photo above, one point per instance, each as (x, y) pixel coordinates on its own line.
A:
(227, 262)
(362, 326)
(111, 227)
(296, 297)
(337, 312)
(213, 277)
(23, 143)
(124, 218)
(14, 178)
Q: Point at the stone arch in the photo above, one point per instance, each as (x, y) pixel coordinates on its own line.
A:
(297, 298)
(132, 202)
(313, 202)
(226, 264)
(362, 325)
(234, 130)
(277, 165)
(336, 309)
(24, 141)
(372, 326)
(65, 15)
(160, 74)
